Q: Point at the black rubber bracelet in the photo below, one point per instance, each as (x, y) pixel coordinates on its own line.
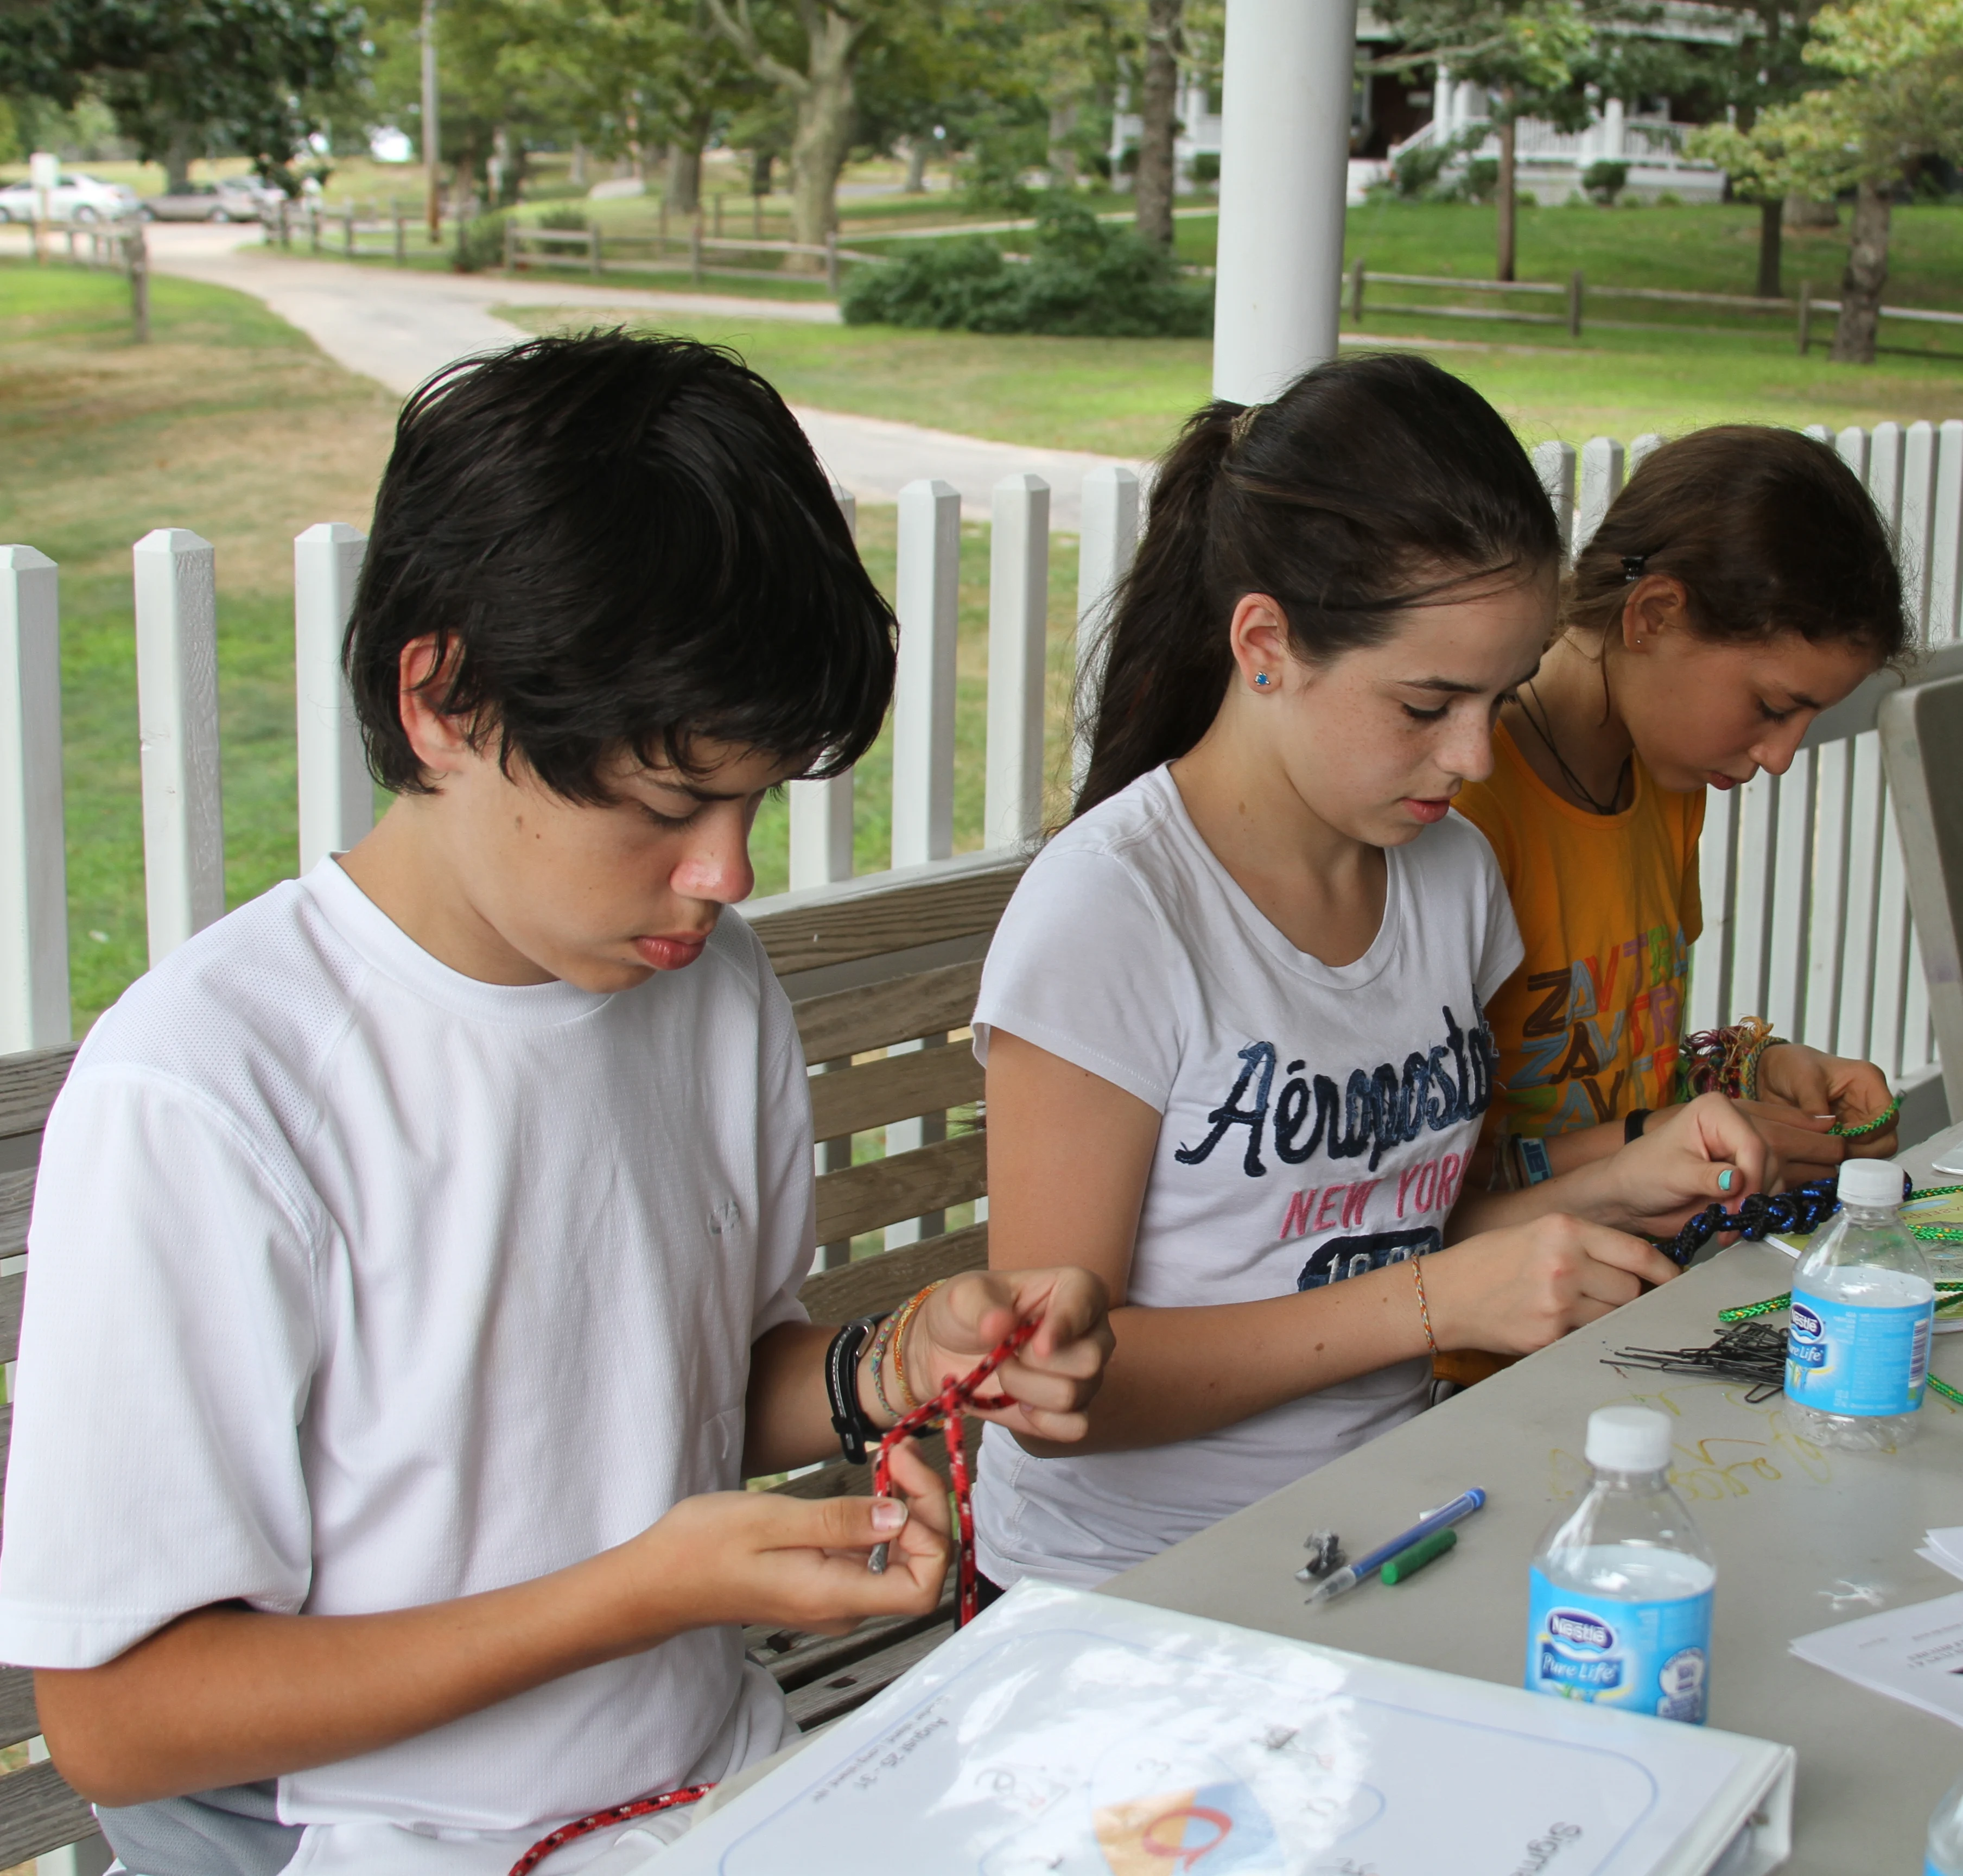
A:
(857, 1435)
(1632, 1128)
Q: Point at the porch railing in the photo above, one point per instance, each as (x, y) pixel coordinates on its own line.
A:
(1806, 913)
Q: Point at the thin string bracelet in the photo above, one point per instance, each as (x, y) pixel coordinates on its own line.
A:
(1423, 1308)
(903, 1321)
(877, 1356)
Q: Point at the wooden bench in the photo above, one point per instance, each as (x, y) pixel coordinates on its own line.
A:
(871, 967)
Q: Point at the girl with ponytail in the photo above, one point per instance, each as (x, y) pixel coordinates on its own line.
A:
(1233, 1018)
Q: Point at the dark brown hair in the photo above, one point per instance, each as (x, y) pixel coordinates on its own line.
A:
(1371, 485)
(1768, 530)
(620, 544)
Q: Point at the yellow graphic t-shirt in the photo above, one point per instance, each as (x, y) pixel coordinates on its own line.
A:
(1608, 905)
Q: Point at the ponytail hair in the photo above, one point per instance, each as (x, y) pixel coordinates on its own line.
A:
(1768, 530)
(1372, 484)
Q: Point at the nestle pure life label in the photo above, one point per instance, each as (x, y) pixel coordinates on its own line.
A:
(1865, 1358)
(1651, 1656)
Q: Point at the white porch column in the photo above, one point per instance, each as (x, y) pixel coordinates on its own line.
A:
(1284, 172)
(1442, 94)
(1612, 129)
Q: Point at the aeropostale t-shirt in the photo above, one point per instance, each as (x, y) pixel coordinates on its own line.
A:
(1317, 1120)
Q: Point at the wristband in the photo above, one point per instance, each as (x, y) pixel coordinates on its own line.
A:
(857, 1435)
(1534, 1162)
(1632, 1128)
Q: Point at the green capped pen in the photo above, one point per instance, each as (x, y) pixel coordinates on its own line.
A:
(1427, 1549)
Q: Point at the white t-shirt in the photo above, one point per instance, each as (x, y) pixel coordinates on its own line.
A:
(356, 1285)
(1317, 1122)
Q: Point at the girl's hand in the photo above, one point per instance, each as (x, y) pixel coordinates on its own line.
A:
(1795, 1076)
(765, 1556)
(1513, 1290)
(1050, 1383)
(1707, 1151)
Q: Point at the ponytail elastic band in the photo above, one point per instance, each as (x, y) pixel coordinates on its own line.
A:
(1236, 435)
(1633, 565)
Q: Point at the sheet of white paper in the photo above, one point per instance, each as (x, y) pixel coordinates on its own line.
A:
(1076, 1735)
(1943, 1549)
(1914, 1654)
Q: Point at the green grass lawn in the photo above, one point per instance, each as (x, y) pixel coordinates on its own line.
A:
(231, 424)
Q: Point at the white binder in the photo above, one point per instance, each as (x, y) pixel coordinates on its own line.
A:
(1069, 1734)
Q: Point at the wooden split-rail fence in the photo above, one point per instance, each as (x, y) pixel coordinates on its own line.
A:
(1575, 293)
(1806, 915)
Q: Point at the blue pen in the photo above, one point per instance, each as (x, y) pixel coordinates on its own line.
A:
(1350, 1575)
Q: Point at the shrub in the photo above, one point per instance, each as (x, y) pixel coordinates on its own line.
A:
(1206, 166)
(480, 244)
(1084, 279)
(1669, 198)
(1480, 182)
(1416, 173)
(1605, 180)
(571, 220)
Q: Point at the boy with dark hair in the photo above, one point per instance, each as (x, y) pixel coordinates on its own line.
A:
(417, 1249)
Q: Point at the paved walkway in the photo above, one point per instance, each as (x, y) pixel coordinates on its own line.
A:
(397, 326)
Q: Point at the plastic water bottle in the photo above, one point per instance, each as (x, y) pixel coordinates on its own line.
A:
(1863, 1308)
(1621, 1608)
(1945, 1855)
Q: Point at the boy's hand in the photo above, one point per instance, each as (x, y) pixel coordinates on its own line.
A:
(764, 1556)
(1051, 1380)
(1707, 1152)
(1795, 1076)
(1515, 1290)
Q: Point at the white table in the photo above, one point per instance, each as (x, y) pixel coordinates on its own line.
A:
(1802, 1540)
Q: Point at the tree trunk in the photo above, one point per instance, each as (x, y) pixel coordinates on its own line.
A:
(1159, 100)
(577, 176)
(637, 157)
(179, 154)
(682, 186)
(1770, 236)
(762, 163)
(1866, 274)
(918, 148)
(1062, 152)
(1509, 219)
(822, 134)
(498, 171)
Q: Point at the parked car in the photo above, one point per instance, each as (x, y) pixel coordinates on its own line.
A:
(76, 198)
(235, 199)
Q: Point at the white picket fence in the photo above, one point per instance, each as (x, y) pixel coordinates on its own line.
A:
(1806, 913)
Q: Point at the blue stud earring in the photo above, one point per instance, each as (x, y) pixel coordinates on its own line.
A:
(1261, 680)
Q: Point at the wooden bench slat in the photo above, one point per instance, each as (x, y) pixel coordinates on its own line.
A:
(17, 1201)
(871, 1285)
(11, 1291)
(822, 1702)
(29, 1083)
(867, 917)
(18, 1720)
(846, 1023)
(925, 1081)
(902, 1185)
(795, 1660)
(38, 1812)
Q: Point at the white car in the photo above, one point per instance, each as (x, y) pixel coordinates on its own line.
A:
(76, 198)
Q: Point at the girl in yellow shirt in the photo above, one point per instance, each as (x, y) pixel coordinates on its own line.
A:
(1742, 583)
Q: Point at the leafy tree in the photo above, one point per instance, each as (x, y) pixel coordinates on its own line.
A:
(1899, 102)
(186, 77)
(1529, 53)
